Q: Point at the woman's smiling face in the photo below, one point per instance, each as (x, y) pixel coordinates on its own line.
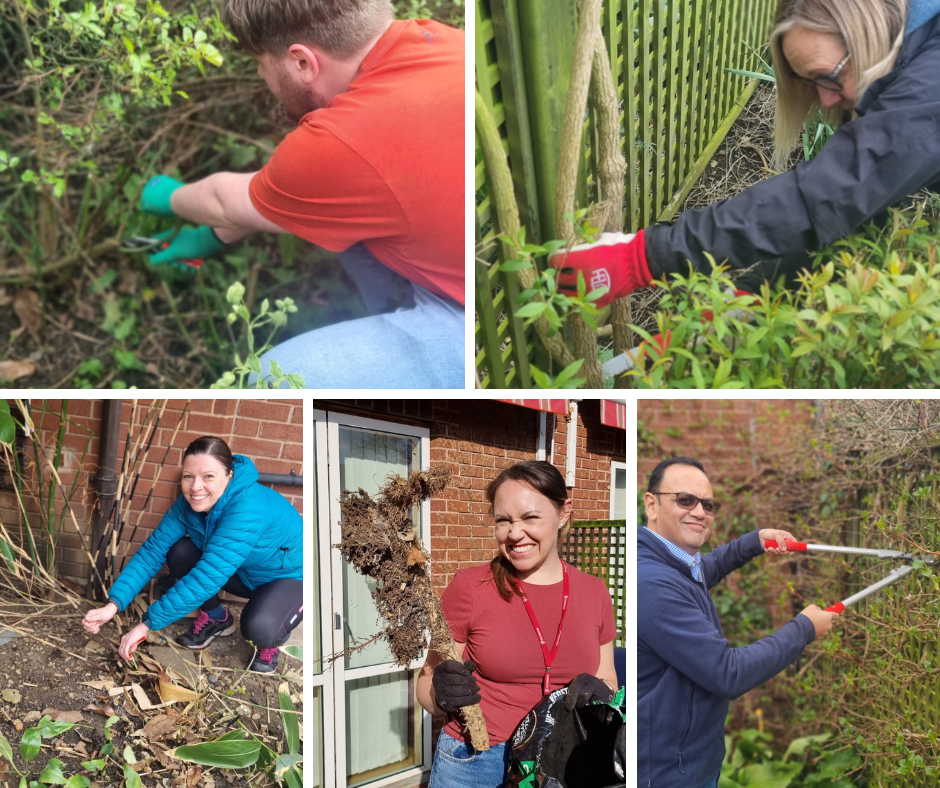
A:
(204, 480)
(527, 525)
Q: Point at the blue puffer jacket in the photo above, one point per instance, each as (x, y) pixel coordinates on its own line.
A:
(686, 670)
(252, 531)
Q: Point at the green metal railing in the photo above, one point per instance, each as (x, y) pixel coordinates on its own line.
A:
(677, 104)
(599, 548)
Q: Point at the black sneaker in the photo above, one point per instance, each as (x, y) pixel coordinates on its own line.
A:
(265, 661)
(206, 629)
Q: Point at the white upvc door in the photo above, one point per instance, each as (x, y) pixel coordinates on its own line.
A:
(380, 735)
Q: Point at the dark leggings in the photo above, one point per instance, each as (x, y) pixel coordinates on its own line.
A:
(273, 609)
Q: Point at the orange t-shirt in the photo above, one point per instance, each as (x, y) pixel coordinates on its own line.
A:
(383, 163)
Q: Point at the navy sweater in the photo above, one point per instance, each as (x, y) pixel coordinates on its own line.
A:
(686, 671)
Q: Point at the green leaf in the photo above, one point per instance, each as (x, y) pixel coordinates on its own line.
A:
(77, 781)
(224, 754)
(7, 428)
(94, 766)
(294, 778)
(107, 748)
(289, 720)
(531, 310)
(30, 744)
(52, 774)
(129, 755)
(6, 750)
(799, 746)
(131, 778)
(49, 729)
(297, 652)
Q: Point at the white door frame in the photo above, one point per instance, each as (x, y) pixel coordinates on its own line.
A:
(615, 466)
(320, 675)
(339, 672)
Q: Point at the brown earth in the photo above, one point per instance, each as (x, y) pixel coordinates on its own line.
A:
(49, 664)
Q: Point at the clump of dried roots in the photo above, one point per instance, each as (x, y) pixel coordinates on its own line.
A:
(380, 540)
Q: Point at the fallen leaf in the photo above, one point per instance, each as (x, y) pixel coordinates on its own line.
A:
(11, 695)
(167, 761)
(14, 370)
(160, 727)
(95, 647)
(63, 716)
(170, 693)
(85, 311)
(105, 711)
(28, 308)
(130, 708)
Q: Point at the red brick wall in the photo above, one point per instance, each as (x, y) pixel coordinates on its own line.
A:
(478, 438)
(270, 432)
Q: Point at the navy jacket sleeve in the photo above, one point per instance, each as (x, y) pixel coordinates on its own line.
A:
(673, 625)
(871, 163)
(724, 559)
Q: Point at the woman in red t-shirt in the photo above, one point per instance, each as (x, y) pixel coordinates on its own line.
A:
(525, 624)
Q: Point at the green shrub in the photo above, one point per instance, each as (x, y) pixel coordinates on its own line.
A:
(865, 316)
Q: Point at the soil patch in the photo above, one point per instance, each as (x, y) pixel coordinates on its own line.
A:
(49, 666)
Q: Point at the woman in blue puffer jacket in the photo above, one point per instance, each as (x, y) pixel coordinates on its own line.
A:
(228, 533)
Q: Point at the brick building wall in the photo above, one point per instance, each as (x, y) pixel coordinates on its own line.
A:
(478, 438)
(269, 432)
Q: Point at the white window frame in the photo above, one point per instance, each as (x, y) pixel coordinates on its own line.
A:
(615, 465)
(338, 670)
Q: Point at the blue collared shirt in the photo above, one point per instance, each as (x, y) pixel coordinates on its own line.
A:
(690, 560)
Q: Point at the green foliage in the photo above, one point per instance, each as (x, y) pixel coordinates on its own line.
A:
(751, 763)
(233, 751)
(866, 316)
(275, 319)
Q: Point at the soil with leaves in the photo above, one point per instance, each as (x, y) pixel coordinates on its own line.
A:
(73, 713)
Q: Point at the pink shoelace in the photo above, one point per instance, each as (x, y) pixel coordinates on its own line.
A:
(201, 620)
(267, 654)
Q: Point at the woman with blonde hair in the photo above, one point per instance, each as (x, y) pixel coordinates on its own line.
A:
(872, 66)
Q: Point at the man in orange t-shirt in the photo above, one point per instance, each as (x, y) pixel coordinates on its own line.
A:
(373, 171)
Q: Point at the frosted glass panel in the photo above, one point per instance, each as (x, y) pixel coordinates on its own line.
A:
(366, 458)
(380, 726)
(619, 492)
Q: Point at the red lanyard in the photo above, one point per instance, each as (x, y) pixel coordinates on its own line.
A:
(549, 655)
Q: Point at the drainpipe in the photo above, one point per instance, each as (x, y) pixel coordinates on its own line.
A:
(105, 482)
(571, 450)
(288, 479)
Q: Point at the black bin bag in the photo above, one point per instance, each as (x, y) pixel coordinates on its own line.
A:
(581, 748)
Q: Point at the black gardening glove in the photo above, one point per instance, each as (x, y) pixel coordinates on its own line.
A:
(585, 688)
(454, 685)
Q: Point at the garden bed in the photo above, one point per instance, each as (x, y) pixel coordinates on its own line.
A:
(50, 665)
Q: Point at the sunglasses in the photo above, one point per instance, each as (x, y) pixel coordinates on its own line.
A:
(689, 502)
(830, 82)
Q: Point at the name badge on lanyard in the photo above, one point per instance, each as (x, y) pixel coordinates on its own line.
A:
(548, 655)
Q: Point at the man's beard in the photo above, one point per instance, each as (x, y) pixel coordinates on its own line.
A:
(296, 101)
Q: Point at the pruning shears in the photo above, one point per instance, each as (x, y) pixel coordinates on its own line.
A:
(896, 574)
(148, 245)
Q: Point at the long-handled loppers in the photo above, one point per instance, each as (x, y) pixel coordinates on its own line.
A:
(898, 573)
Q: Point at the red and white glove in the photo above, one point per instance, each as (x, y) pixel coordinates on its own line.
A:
(616, 261)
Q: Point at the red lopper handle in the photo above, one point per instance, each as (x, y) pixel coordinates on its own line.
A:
(194, 263)
(838, 607)
(800, 547)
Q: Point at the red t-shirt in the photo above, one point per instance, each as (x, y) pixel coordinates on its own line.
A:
(383, 163)
(501, 640)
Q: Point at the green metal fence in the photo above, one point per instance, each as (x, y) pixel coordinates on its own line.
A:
(677, 103)
(599, 548)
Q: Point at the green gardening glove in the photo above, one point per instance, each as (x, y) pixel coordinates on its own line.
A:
(185, 250)
(156, 195)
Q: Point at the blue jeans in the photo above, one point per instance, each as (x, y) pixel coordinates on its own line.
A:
(418, 348)
(458, 765)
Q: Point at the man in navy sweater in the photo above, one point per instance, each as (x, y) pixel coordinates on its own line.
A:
(686, 671)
